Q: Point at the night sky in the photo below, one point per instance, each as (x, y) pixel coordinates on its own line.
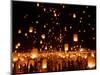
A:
(48, 26)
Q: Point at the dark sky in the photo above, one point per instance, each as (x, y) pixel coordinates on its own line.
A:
(57, 22)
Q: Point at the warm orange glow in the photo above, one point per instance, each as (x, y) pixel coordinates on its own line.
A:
(31, 62)
(33, 56)
(38, 4)
(19, 31)
(50, 46)
(45, 47)
(55, 14)
(16, 47)
(25, 34)
(40, 41)
(92, 54)
(74, 15)
(22, 59)
(18, 66)
(81, 49)
(30, 29)
(34, 53)
(28, 67)
(43, 36)
(91, 65)
(18, 44)
(66, 47)
(15, 59)
(91, 62)
(75, 37)
(44, 64)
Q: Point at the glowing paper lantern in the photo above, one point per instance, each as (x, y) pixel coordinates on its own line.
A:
(21, 58)
(92, 55)
(74, 15)
(30, 29)
(12, 65)
(16, 47)
(66, 47)
(19, 31)
(40, 41)
(43, 36)
(44, 64)
(38, 4)
(19, 66)
(91, 62)
(75, 37)
(34, 53)
(18, 44)
(25, 34)
(55, 14)
(45, 47)
(15, 59)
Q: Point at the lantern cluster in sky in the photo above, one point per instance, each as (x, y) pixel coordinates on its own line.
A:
(48, 26)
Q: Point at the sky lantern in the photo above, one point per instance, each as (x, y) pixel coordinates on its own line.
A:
(17, 45)
(75, 37)
(25, 34)
(92, 55)
(19, 31)
(91, 62)
(74, 15)
(66, 47)
(30, 29)
(43, 36)
(44, 64)
(15, 58)
(45, 47)
(34, 53)
(41, 42)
